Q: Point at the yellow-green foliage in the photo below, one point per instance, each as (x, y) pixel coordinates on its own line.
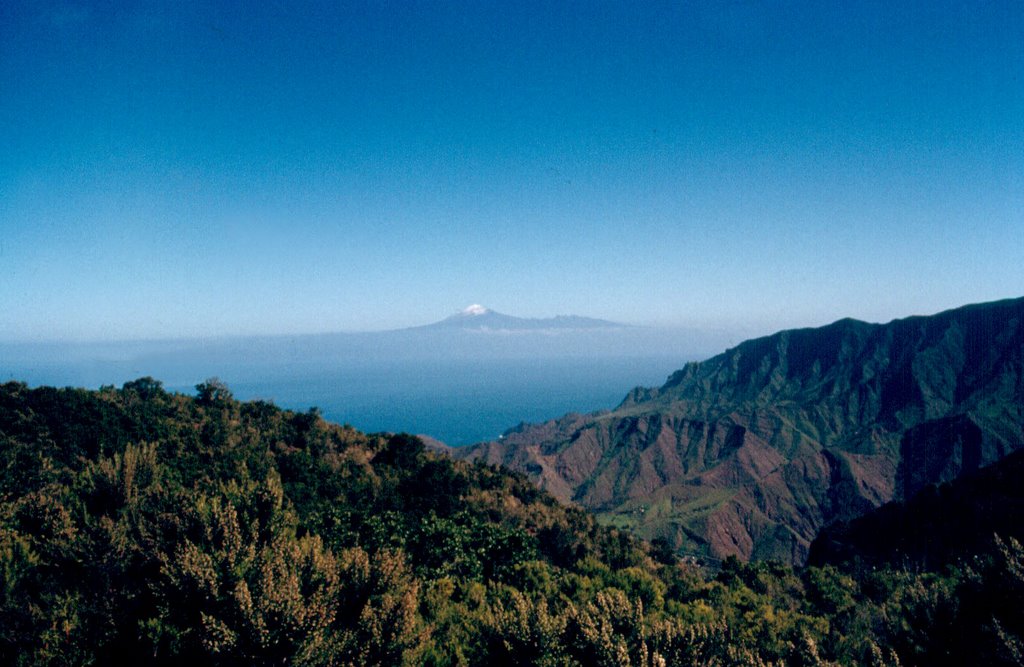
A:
(142, 527)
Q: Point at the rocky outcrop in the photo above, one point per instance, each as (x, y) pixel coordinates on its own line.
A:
(752, 452)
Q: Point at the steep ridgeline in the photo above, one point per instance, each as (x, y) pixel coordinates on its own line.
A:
(752, 452)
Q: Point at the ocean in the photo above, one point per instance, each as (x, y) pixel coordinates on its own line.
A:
(458, 386)
(457, 402)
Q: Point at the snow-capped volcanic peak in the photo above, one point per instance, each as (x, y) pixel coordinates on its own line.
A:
(478, 318)
(473, 310)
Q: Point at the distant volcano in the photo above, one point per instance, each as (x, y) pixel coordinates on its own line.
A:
(479, 318)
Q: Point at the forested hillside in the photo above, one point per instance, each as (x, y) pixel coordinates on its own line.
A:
(139, 526)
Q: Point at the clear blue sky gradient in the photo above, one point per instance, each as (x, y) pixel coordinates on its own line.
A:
(196, 168)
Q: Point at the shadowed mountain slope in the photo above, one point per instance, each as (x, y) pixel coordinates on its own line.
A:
(752, 452)
(940, 524)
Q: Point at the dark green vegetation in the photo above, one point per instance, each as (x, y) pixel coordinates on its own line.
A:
(752, 452)
(144, 527)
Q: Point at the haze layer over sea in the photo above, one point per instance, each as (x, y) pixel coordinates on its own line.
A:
(457, 385)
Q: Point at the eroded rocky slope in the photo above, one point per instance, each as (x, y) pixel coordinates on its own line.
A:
(753, 451)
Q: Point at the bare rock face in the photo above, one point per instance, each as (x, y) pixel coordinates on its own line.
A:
(752, 452)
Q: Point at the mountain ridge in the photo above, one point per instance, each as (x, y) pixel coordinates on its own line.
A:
(752, 451)
(481, 318)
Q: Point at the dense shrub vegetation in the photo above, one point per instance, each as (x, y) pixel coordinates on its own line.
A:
(138, 525)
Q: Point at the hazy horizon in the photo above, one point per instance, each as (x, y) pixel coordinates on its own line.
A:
(728, 336)
(347, 332)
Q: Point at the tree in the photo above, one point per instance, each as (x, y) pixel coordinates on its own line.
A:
(213, 392)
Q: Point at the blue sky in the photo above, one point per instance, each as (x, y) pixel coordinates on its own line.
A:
(209, 168)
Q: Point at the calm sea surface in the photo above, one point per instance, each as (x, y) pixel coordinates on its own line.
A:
(458, 402)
